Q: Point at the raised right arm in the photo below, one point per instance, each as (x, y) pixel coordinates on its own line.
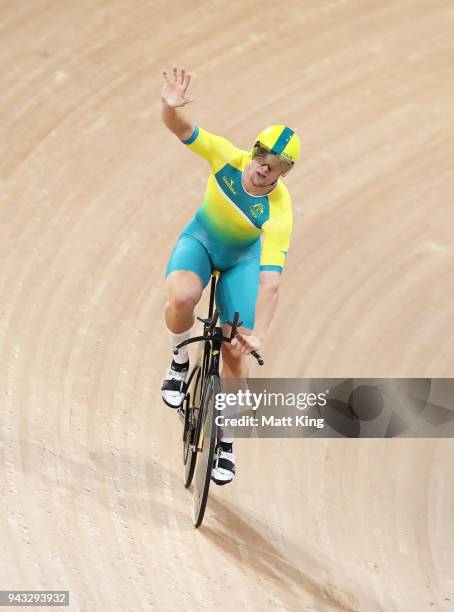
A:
(215, 149)
(174, 97)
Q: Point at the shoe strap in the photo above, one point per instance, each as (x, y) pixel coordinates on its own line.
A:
(225, 464)
(174, 385)
(179, 367)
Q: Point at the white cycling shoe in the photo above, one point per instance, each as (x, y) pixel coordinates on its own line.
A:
(173, 390)
(223, 470)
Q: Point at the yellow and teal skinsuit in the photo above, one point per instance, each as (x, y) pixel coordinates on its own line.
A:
(233, 231)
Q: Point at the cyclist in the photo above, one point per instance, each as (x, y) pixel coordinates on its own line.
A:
(243, 229)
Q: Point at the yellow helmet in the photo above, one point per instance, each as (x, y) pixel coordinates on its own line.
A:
(280, 140)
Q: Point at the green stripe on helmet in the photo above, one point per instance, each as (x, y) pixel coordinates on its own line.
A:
(283, 140)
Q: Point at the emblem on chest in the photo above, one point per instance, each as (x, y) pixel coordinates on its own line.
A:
(257, 210)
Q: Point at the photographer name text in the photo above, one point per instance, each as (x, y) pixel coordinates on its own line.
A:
(269, 421)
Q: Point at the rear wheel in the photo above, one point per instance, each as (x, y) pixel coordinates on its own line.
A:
(206, 435)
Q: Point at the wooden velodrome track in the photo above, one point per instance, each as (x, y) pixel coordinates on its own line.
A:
(93, 194)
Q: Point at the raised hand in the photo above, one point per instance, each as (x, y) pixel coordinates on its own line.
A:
(175, 87)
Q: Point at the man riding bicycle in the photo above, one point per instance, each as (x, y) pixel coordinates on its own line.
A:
(243, 229)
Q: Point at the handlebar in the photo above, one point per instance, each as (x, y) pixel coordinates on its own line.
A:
(213, 321)
(233, 333)
(258, 357)
(222, 339)
(210, 325)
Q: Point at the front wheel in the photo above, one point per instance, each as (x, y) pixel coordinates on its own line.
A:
(192, 406)
(205, 437)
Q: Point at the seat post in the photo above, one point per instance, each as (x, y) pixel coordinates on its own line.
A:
(214, 275)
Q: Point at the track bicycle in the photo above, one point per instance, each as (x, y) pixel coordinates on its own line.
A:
(197, 412)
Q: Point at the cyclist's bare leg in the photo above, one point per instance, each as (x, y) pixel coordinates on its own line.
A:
(234, 363)
(184, 290)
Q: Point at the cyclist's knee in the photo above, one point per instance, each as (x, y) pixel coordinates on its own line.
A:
(183, 300)
(185, 291)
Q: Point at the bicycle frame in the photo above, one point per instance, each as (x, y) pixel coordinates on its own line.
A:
(198, 419)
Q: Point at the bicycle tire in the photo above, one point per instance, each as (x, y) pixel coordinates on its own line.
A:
(193, 401)
(206, 436)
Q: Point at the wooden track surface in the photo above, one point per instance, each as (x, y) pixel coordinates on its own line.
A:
(93, 193)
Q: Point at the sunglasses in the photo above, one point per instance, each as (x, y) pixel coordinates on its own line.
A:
(273, 160)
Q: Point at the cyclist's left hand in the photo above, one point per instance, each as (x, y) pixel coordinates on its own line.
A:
(246, 343)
